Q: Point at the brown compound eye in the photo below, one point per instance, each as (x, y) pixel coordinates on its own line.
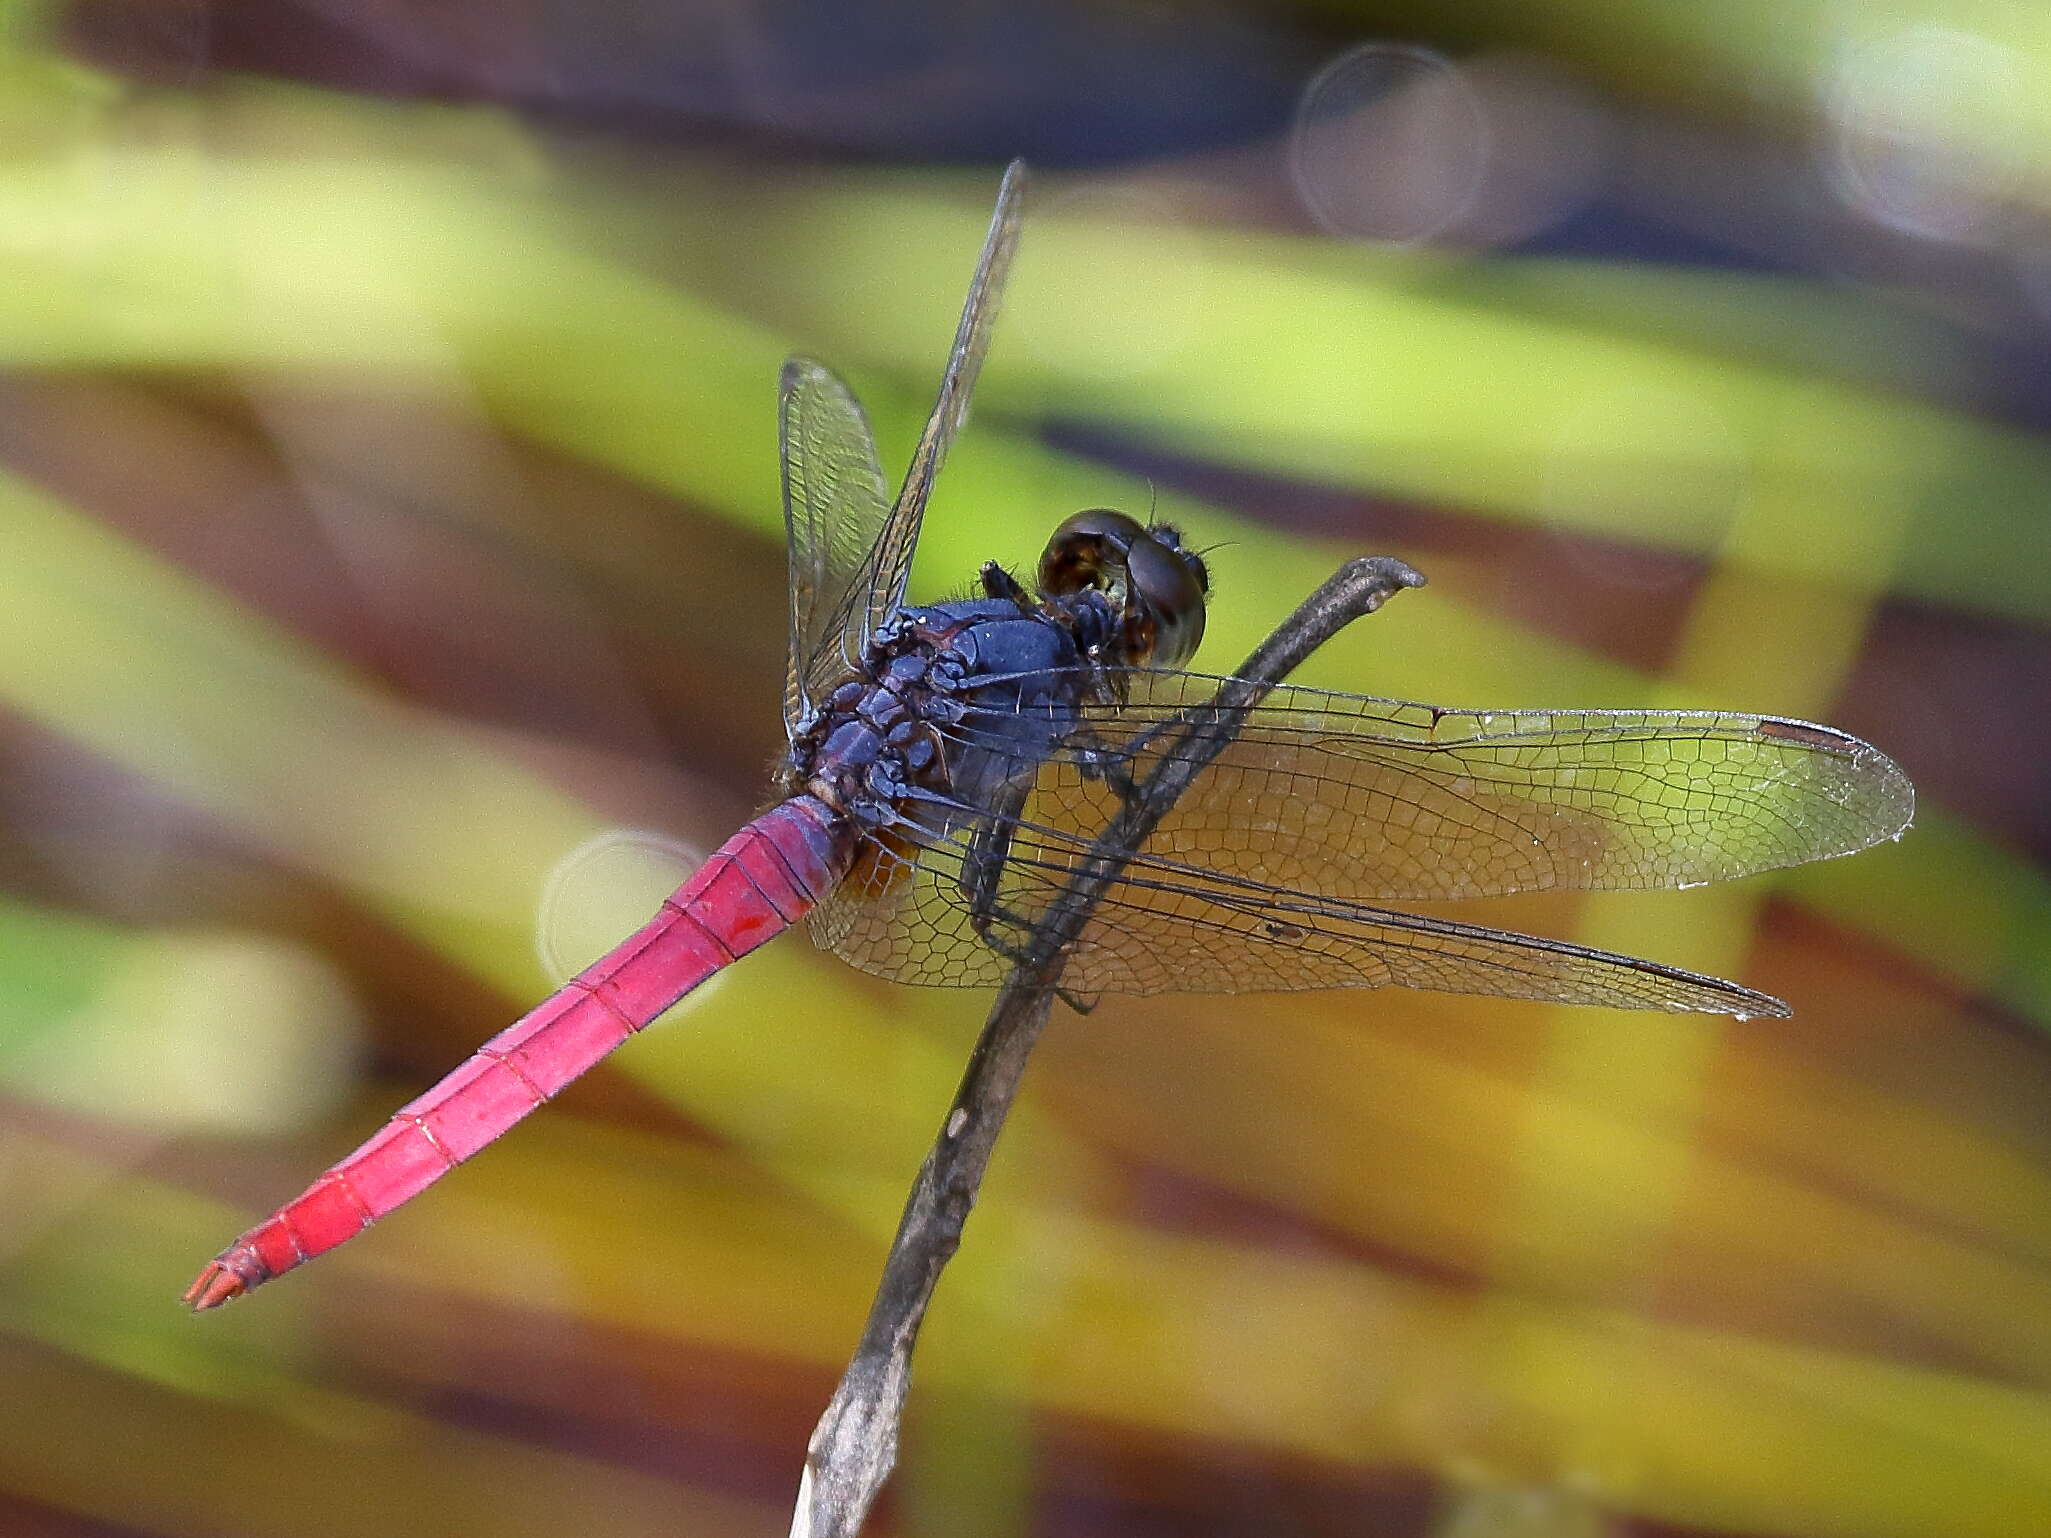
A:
(1172, 584)
(1158, 586)
(1088, 550)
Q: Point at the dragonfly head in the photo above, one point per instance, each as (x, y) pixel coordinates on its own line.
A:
(1157, 585)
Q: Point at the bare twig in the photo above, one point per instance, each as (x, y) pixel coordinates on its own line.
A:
(855, 1445)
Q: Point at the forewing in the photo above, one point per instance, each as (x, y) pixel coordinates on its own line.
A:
(838, 629)
(893, 554)
(1348, 796)
(1261, 876)
(834, 508)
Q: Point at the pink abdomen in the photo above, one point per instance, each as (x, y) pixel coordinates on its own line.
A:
(756, 885)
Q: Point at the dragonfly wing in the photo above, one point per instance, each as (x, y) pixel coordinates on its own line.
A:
(1348, 796)
(1166, 928)
(892, 561)
(834, 510)
(852, 553)
(901, 913)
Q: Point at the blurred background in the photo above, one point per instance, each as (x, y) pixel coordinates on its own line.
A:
(388, 509)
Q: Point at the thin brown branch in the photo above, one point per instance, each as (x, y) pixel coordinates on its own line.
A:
(855, 1445)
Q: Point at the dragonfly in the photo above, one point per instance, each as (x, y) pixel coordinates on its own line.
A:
(950, 766)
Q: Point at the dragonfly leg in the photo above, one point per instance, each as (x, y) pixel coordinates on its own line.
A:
(1098, 760)
(987, 925)
(999, 583)
(982, 876)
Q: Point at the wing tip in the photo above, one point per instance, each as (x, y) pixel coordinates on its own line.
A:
(798, 368)
(1873, 792)
(1754, 1006)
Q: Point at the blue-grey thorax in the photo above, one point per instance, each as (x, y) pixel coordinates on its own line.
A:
(958, 700)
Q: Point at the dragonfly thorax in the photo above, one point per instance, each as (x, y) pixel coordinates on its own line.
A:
(952, 703)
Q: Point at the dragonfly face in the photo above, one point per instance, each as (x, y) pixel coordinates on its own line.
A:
(1158, 586)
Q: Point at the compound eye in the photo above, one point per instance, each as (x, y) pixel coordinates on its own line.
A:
(1167, 534)
(1089, 550)
(1157, 587)
(1168, 584)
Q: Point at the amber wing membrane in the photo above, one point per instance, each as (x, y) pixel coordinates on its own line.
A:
(1166, 929)
(1351, 796)
(1259, 878)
